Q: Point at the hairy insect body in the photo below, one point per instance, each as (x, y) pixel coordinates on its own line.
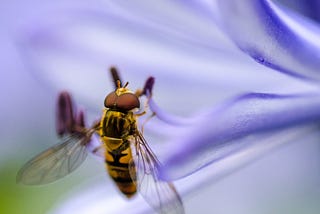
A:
(116, 130)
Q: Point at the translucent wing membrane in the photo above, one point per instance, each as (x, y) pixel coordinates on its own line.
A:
(55, 162)
(144, 169)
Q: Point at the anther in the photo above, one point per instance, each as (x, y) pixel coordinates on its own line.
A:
(64, 118)
(148, 86)
(115, 76)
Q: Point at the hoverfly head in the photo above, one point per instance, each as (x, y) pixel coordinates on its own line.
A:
(122, 99)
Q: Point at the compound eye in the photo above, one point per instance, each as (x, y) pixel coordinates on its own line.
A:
(111, 100)
(127, 102)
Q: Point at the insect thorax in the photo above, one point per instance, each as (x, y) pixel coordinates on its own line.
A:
(117, 125)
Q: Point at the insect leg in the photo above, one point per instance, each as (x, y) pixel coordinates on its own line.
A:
(146, 120)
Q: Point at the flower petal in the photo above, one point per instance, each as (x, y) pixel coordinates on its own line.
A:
(99, 199)
(309, 8)
(273, 35)
(218, 133)
(100, 196)
(170, 20)
(74, 52)
(76, 59)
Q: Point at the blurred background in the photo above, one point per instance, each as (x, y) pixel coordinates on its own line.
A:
(284, 181)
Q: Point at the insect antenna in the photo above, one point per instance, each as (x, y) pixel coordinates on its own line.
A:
(125, 85)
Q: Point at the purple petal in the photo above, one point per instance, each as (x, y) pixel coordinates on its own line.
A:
(218, 133)
(250, 149)
(167, 117)
(273, 35)
(170, 20)
(75, 52)
(100, 196)
(308, 8)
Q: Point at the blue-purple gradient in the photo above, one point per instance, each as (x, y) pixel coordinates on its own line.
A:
(52, 46)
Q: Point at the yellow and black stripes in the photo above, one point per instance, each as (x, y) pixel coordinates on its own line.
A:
(116, 128)
(117, 162)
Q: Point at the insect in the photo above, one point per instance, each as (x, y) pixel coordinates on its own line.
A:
(129, 160)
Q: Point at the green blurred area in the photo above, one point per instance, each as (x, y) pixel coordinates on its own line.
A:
(18, 199)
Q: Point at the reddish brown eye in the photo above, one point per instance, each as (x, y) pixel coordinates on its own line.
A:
(127, 102)
(111, 100)
(124, 102)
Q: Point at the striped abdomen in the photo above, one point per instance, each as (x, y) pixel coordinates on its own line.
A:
(116, 129)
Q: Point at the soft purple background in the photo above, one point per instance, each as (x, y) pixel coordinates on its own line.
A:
(285, 181)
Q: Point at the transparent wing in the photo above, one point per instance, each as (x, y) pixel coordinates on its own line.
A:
(55, 162)
(144, 170)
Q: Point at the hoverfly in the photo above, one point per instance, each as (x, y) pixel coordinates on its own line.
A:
(129, 160)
